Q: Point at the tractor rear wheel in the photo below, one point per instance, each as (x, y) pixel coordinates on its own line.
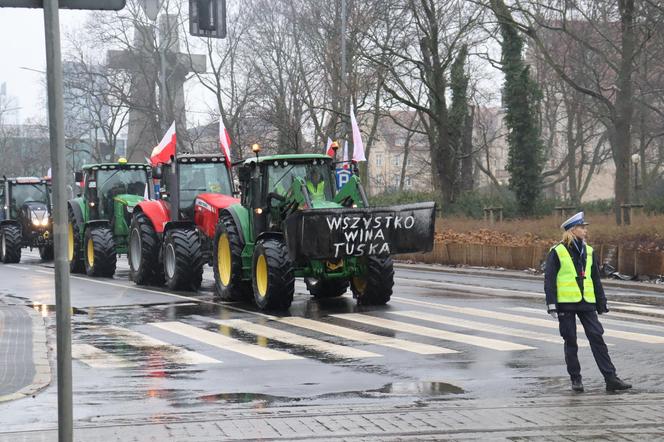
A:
(46, 253)
(183, 259)
(100, 257)
(227, 262)
(375, 287)
(273, 275)
(326, 288)
(74, 246)
(10, 244)
(143, 253)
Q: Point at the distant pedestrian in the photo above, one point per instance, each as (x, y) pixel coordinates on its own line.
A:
(573, 288)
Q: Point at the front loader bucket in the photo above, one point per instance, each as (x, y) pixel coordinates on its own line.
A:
(339, 232)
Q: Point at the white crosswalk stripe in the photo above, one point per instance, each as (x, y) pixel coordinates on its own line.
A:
(610, 320)
(360, 336)
(224, 342)
(483, 326)
(295, 339)
(173, 353)
(493, 344)
(97, 358)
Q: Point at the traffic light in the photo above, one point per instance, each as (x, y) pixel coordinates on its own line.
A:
(207, 18)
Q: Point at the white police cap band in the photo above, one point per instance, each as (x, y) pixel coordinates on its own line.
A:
(575, 220)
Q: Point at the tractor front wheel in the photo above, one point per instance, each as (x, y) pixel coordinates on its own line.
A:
(227, 262)
(326, 288)
(10, 244)
(273, 276)
(46, 253)
(183, 259)
(100, 257)
(74, 246)
(374, 287)
(143, 253)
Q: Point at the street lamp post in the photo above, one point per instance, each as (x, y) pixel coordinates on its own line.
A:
(635, 160)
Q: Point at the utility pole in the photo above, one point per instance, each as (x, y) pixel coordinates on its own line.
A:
(344, 70)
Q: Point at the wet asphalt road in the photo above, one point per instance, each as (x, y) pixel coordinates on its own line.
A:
(145, 353)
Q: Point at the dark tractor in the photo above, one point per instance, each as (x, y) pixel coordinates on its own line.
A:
(171, 238)
(99, 219)
(292, 222)
(25, 218)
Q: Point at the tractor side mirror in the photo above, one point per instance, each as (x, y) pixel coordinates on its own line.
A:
(157, 172)
(78, 176)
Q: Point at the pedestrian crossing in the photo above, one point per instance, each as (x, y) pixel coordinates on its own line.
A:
(448, 330)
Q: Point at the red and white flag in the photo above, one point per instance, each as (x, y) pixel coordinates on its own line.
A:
(165, 150)
(225, 141)
(328, 148)
(358, 146)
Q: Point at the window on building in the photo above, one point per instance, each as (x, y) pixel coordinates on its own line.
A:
(379, 160)
(396, 160)
(408, 182)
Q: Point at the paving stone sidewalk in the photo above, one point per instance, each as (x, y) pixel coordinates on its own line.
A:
(24, 366)
(583, 417)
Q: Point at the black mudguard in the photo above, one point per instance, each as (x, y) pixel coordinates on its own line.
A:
(339, 232)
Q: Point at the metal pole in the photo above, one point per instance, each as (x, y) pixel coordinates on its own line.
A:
(59, 173)
(344, 68)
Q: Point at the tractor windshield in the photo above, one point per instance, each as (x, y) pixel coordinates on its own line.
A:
(114, 182)
(316, 177)
(25, 193)
(197, 178)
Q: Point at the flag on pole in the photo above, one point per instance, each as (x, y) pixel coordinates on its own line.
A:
(224, 141)
(358, 146)
(345, 160)
(163, 152)
(328, 148)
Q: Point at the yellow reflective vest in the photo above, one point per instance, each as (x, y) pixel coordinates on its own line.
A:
(567, 287)
(317, 193)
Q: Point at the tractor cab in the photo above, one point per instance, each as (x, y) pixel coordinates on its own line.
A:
(24, 193)
(191, 178)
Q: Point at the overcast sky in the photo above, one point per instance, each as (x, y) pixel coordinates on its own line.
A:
(22, 45)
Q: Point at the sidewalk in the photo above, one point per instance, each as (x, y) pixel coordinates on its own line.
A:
(24, 366)
(522, 274)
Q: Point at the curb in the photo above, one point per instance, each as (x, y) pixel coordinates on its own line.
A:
(512, 274)
(42, 376)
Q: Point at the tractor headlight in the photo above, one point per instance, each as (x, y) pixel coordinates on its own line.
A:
(44, 222)
(36, 221)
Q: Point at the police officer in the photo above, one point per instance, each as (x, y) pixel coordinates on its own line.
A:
(573, 288)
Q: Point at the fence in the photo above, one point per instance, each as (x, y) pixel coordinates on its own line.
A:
(626, 261)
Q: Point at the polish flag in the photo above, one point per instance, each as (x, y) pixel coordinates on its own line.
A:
(165, 150)
(358, 146)
(328, 148)
(225, 141)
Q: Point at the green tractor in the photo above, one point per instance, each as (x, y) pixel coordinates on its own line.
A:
(25, 218)
(292, 222)
(99, 219)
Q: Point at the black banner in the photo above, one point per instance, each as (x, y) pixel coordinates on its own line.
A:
(339, 232)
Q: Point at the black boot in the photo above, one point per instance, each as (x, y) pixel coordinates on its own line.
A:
(577, 385)
(614, 383)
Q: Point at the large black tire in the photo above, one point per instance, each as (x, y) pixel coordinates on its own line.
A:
(227, 262)
(183, 259)
(10, 244)
(273, 276)
(375, 287)
(100, 256)
(46, 253)
(326, 288)
(74, 246)
(143, 252)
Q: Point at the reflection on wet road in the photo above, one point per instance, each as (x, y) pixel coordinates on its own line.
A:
(145, 351)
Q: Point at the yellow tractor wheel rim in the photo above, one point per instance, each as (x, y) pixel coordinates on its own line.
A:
(91, 253)
(261, 275)
(70, 242)
(360, 284)
(224, 259)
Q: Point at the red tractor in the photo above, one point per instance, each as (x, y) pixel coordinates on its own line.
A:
(170, 239)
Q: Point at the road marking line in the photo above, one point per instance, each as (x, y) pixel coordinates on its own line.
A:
(360, 336)
(474, 289)
(493, 344)
(224, 342)
(548, 323)
(649, 310)
(483, 326)
(97, 358)
(295, 339)
(174, 353)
